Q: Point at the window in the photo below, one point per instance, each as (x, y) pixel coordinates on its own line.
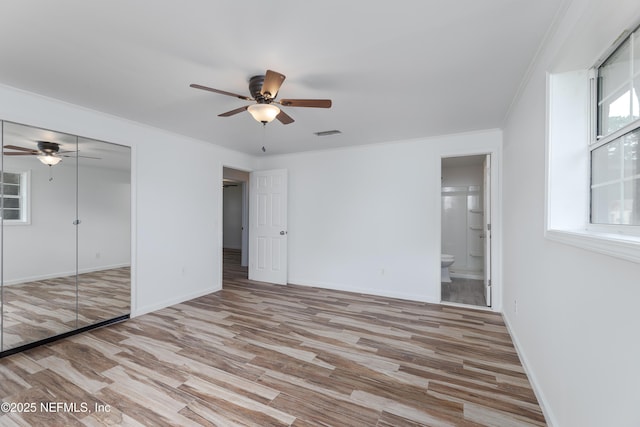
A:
(593, 171)
(14, 198)
(615, 153)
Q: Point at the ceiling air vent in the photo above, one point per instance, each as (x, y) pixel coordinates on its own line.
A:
(327, 132)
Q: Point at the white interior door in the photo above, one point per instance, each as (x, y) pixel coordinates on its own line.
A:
(268, 226)
(487, 229)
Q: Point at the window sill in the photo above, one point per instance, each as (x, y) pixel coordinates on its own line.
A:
(11, 222)
(618, 246)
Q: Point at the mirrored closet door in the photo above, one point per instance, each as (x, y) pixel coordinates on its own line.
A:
(104, 232)
(65, 206)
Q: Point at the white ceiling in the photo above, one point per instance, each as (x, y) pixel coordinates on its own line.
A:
(394, 70)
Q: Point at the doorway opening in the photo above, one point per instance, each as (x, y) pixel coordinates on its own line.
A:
(262, 245)
(466, 230)
(235, 223)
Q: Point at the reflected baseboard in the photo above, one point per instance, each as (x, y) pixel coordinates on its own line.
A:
(62, 274)
(61, 336)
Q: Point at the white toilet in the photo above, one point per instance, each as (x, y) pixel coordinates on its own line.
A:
(445, 261)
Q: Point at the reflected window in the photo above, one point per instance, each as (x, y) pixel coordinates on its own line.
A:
(14, 198)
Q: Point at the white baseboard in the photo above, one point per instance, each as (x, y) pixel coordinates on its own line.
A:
(139, 311)
(366, 291)
(535, 385)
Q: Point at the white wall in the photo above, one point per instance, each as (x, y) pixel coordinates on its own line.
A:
(104, 210)
(46, 247)
(176, 196)
(577, 318)
(232, 217)
(367, 219)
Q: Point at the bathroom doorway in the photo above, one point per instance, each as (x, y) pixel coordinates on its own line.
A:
(466, 230)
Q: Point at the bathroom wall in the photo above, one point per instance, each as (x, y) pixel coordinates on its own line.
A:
(462, 179)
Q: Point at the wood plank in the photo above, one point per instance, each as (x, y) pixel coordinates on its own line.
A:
(258, 354)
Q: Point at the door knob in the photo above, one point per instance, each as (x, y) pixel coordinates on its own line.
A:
(282, 233)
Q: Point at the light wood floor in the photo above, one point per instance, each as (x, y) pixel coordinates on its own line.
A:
(266, 355)
(37, 310)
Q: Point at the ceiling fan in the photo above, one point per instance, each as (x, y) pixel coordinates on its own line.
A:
(264, 90)
(48, 152)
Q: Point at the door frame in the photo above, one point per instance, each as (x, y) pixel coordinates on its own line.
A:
(496, 217)
(246, 217)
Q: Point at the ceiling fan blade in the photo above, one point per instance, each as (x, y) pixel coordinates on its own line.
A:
(74, 157)
(315, 103)
(20, 154)
(272, 82)
(222, 92)
(15, 147)
(234, 112)
(284, 118)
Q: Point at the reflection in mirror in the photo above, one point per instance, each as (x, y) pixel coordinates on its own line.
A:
(104, 235)
(39, 238)
(48, 259)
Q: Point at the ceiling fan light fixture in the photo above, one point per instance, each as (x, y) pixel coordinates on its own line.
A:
(264, 113)
(49, 159)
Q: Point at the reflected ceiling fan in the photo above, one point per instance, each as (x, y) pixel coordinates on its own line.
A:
(48, 152)
(264, 90)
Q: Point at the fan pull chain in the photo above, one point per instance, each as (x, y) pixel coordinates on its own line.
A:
(264, 131)
(50, 174)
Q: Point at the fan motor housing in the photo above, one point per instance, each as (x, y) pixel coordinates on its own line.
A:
(255, 86)
(48, 147)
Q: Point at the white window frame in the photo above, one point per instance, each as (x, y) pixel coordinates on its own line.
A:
(24, 197)
(597, 141)
(571, 131)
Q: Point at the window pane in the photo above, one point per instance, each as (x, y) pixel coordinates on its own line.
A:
(631, 213)
(615, 92)
(635, 101)
(636, 53)
(615, 71)
(605, 204)
(615, 113)
(11, 214)
(605, 163)
(11, 178)
(11, 190)
(11, 203)
(631, 153)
